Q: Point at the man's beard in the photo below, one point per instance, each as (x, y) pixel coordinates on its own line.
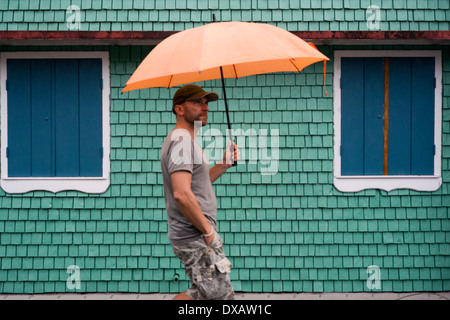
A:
(204, 120)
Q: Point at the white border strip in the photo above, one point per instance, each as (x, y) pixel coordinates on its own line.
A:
(387, 183)
(88, 185)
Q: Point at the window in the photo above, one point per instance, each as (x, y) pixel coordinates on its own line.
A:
(387, 114)
(55, 121)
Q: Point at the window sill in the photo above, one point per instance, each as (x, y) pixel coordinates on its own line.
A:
(387, 183)
(94, 185)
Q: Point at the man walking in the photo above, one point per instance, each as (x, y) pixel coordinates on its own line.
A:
(190, 200)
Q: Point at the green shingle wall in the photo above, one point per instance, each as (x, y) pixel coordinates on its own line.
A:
(160, 15)
(289, 232)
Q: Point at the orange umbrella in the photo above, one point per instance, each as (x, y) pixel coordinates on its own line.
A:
(239, 48)
(223, 50)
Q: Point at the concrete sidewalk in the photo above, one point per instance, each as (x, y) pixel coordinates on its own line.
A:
(239, 296)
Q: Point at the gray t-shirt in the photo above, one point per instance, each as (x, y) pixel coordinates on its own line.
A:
(180, 152)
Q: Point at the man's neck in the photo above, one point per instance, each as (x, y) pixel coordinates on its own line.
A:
(191, 128)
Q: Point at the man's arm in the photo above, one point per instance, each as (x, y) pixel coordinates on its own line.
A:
(216, 171)
(188, 204)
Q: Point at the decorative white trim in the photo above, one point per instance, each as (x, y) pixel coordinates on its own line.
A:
(387, 183)
(88, 185)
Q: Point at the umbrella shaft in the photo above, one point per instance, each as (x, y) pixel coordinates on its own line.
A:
(227, 112)
(225, 98)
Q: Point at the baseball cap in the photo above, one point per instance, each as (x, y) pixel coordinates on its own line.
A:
(192, 92)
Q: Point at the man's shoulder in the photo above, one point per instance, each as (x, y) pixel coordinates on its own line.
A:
(177, 136)
(179, 132)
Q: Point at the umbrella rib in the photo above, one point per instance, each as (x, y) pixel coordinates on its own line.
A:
(294, 65)
(235, 71)
(170, 81)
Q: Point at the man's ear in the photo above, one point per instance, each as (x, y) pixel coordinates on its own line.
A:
(179, 109)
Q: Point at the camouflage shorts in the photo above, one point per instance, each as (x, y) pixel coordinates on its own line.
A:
(207, 267)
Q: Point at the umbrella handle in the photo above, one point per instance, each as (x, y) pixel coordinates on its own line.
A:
(233, 163)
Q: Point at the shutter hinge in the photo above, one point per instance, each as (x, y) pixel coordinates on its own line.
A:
(7, 84)
(101, 152)
(101, 83)
(434, 83)
(7, 152)
(434, 150)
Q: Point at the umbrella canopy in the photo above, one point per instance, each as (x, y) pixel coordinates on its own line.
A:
(238, 49)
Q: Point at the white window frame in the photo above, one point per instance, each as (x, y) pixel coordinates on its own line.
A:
(55, 184)
(387, 183)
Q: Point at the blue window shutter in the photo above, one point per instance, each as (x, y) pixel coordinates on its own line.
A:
(411, 146)
(54, 117)
(41, 118)
(422, 115)
(411, 116)
(399, 116)
(67, 146)
(19, 117)
(352, 116)
(90, 86)
(362, 108)
(373, 116)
